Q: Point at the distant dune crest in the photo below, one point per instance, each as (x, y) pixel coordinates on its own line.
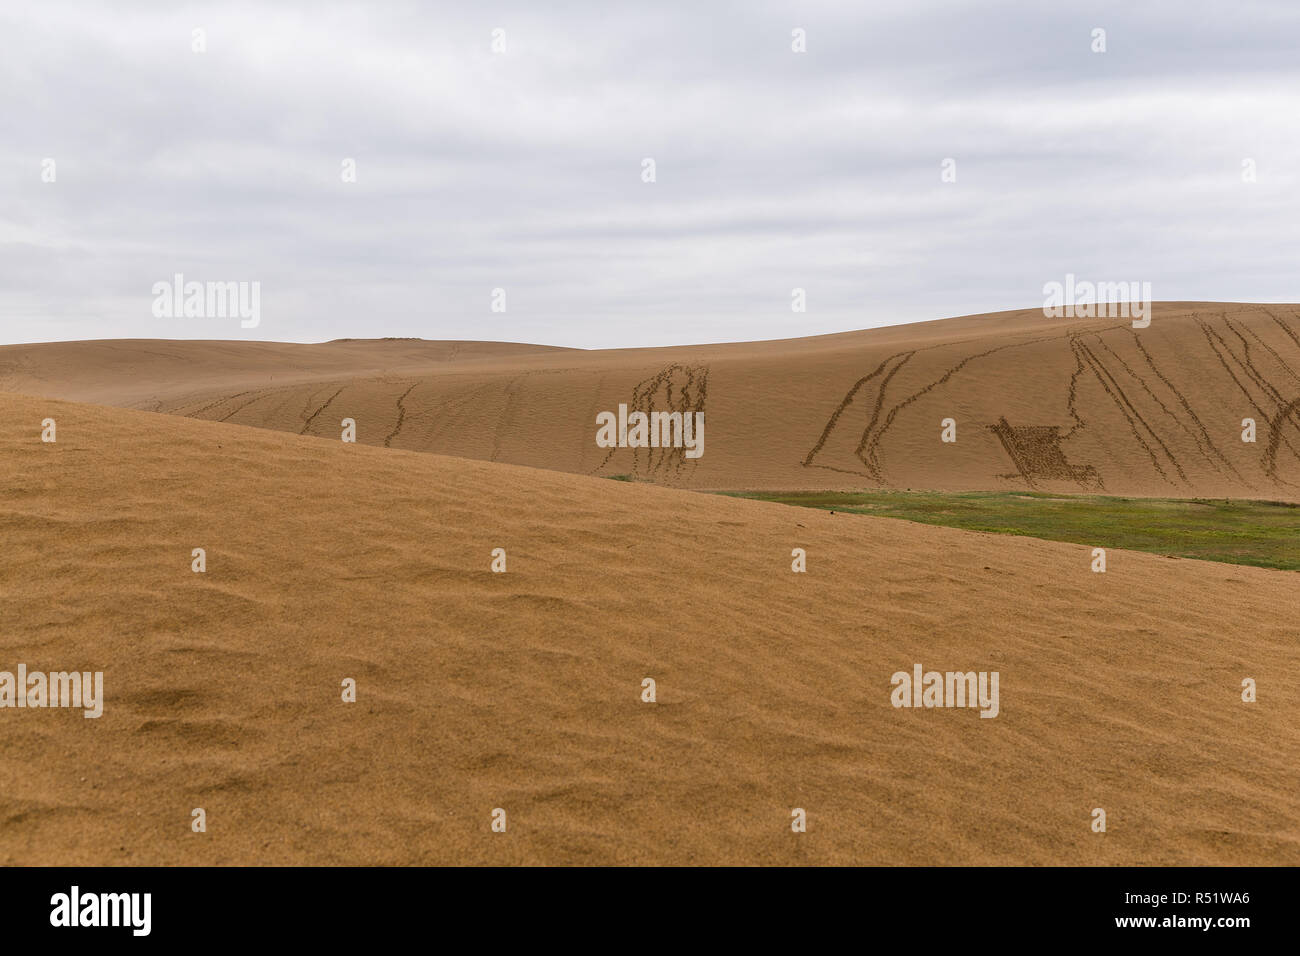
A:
(1204, 401)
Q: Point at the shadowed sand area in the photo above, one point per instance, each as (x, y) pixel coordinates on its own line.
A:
(522, 690)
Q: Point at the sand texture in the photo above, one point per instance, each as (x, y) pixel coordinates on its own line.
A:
(1063, 405)
(522, 690)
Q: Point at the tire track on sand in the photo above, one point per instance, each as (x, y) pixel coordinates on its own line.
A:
(327, 404)
(401, 416)
(847, 400)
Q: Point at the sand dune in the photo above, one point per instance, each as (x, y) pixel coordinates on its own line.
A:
(521, 690)
(1070, 405)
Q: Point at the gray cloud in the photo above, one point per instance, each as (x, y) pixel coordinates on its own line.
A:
(775, 170)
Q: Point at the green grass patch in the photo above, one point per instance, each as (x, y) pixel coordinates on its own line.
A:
(1261, 533)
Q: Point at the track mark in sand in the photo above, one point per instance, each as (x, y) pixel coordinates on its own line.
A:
(1206, 442)
(691, 384)
(866, 451)
(1283, 326)
(1072, 396)
(1137, 378)
(1275, 436)
(256, 398)
(1142, 391)
(1262, 344)
(868, 446)
(220, 401)
(1142, 383)
(306, 405)
(401, 416)
(328, 401)
(869, 452)
(1210, 338)
(1110, 384)
(1036, 452)
(845, 402)
(1284, 407)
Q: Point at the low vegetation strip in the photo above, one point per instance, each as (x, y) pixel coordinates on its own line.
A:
(1261, 533)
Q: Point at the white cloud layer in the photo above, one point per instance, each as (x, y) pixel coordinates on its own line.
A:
(522, 170)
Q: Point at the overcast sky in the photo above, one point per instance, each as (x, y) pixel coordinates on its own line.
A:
(522, 170)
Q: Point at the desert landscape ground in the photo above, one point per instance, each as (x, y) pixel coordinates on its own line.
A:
(522, 690)
(1068, 405)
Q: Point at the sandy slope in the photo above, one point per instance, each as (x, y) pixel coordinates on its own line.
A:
(521, 690)
(1071, 405)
